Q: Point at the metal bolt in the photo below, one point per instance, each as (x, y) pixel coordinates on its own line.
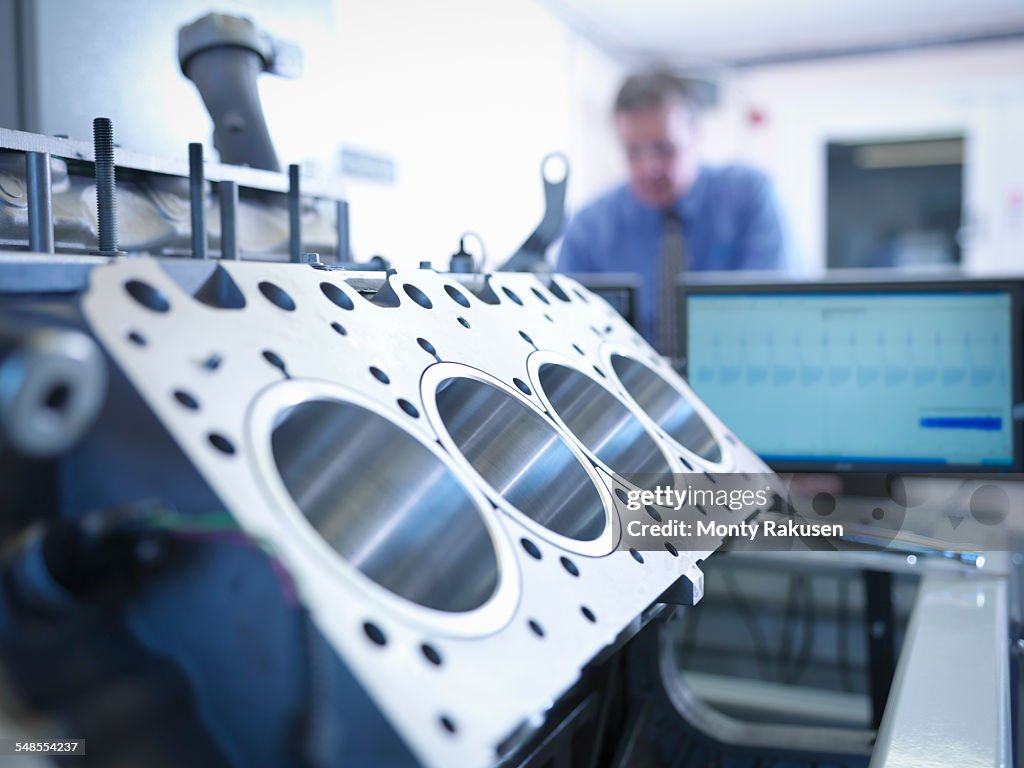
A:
(341, 213)
(197, 199)
(294, 215)
(228, 220)
(106, 202)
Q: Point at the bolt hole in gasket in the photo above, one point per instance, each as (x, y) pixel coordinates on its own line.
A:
(277, 296)
(337, 296)
(557, 292)
(530, 548)
(428, 347)
(375, 634)
(186, 399)
(418, 296)
(513, 296)
(457, 296)
(275, 360)
(431, 654)
(148, 296)
(221, 443)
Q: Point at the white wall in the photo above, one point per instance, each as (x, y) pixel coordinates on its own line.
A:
(597, 160)
(977, 90)
(466, 98)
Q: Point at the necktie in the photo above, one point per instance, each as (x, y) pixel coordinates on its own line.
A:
(673, 262)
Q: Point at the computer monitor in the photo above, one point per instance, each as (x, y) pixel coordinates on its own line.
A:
(617, 288)
(841, 376)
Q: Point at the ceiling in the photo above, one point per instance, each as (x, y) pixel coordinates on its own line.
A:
(693, 33)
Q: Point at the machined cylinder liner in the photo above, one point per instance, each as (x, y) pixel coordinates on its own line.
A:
(666, 406)
(389, 506)
(520, 455)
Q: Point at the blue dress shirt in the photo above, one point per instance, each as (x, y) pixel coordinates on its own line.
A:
(731, 220)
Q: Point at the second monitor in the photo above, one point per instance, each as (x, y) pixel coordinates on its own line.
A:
(839, 376)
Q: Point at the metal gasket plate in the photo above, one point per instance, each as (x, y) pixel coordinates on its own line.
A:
(432, 370)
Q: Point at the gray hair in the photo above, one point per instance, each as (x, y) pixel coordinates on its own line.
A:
(656, 89)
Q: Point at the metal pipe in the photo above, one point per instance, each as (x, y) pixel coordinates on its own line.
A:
(40, 202)
(197, 198)
(52, 385)
(228, 191)
(224, 56)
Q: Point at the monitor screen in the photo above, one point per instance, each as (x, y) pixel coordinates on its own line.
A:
(912, 376)
(618, 289)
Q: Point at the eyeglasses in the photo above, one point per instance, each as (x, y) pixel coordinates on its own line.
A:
(658, 150)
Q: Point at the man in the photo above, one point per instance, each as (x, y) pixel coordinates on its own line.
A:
(675, 214)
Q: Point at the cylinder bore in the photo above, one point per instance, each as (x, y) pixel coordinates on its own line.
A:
(386, 504)
(521, 456)
(603, 424)
(667, 406)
